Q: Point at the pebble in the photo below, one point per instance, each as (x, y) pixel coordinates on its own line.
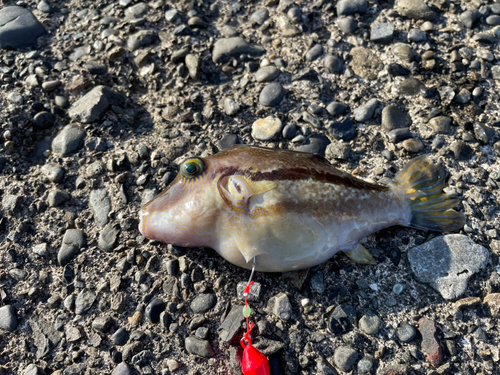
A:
(495, 72)
(230, 328)
(227, 141)
(154, 309)
(73, 241)
(271, 95)
(366, 365)
(365, 63)
(382, 32)
(33, 369)
(267, 128)
(311, 120)
(338, 150)
(8, 318)
(102, 324)
(318, 283)
(370, 323)
(289, 131)
(141, 39)
(365, 112)
(44, 120)
(447, 94)
(342, 319)
(430, 343)
(122, 369)
(108, 238)
(203, 302)
(193, 66)
(69, 140)
(333, 64)
(259, 16)
(15, 98)
(345, 358)
(447, 262)
(172, 15)
(172, 365)
(231, 108)
(84, 301)
(57, 197)
(19, 28)
(53, 172)
(394, 118)
(336, 108)
(492, 300)
(120, 337)
(399, 135)
(397, 70)
(254, 291)
(92, 106)
(461, 150)
(415, 9)
(440, 124)
(346, 7)
(280, 306)
(95, 67)
(347, 24)
(100, 204)
(199, 347)
(398, 288)
(469, 18)
(267, 74)
(406, 332)
(483, 133)
(10, 203)
(413, 145)
(463, 96)
(343, 130)
(314, 52)
(226, 48)
(416, 36)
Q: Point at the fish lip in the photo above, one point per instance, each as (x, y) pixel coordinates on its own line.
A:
(142, 214)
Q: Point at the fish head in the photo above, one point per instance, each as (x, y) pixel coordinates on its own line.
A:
(183, 214)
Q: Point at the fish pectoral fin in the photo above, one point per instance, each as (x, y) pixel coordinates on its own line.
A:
(235, 191)
(361, 255)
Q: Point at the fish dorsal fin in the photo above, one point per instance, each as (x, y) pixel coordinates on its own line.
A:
(235, 191)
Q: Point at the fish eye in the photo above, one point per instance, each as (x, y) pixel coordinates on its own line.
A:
(192, 168)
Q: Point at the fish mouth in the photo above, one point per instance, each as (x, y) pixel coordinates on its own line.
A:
(142, 214)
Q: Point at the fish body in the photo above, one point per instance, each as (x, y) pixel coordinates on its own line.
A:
(287, 210)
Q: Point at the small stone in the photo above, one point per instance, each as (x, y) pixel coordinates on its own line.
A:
(394, 118)
(53, 172)
(266, 129)
(10, 203)
(172, 365)
(397, 70)
(230, 328)
(365, 63)
(415, 9)
(19, 28)
(8, 318)
(289, 131)
(346, 7)
(393, 369)
(280, 306)
(492, 300)
(370, 323)
(333, 64)
(40, 249)
(254, 291)
(338, 150)
(73, 241)
(344, 130)
(108, 238)
(226, 48)
(406, 332)
(430, 343)
(469, 18)
(447, 94)
(311, 120)
(172, 15)
(271, 95)
(416, 36)
(398, 288)
(317, 283)
(382, 32)
(93, 105)
(483, 133)
(260, 16)
(227, 141)
(399, 135)
(199, 347)
(57, 197)
(141, 39)
(95, 67)
(348, 25)
(403, 52)
(231, 108)
(315, 52)
(119, 338)
(315, 144)
(336, 108)
(84, 301)
(345, 358)
(32, 369)
(101, 205)
(203, 303)
(440, 124)
(267, 74)
(413, 145)
(447, 262)
(154, 309)
(44, 120)
(122, 369)
(366, 365)
(463, 97)
(365, 112)
(102, 324)
(193, 66)
(461, 150)
(69, 140)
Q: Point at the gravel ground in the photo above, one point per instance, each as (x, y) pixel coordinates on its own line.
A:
(101, 100)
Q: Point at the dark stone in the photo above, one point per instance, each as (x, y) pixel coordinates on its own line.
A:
(203, 303)
(154, 309)
(44, 120)
(461, 150)
(199, 347)
(344, 130)
(394, 69)
(336, 108)
(345, 7)
(19, 28)
(272, 95)
(348, 25)
(316, 144)
(226, 48)
(399, 135)
(333, 64)
(227, 141)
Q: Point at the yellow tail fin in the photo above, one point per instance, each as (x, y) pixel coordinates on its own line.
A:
(432, 209)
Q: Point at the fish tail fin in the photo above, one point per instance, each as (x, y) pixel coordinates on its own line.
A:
(422, 182)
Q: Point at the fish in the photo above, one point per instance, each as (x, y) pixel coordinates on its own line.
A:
(280, 210)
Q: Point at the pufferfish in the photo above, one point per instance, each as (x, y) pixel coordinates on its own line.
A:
(281, 210)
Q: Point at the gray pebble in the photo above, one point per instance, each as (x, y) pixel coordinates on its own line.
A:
(348, 25)
(15, 98)
(119, 337)
(93, 105)
(463, 97)
(57, 197)
(199, 347)
(280, 306)
(315, 52)
(469, 18)
(102, 324)
(440, 124)
(271, 95)
(193, 65)
(346, 7)
(447, 94)
(399, 135)
(406, 332)
(19, 28)
(226, 48)
(289, 131)
(413, 145)
(315, 144)
(338, 150)
(333, 64)
(447, 262)
(343, 130)
(394, 118)
(483, 132)
(172, 15)
(53, 172)
(154, 309)
(108, 238)
(73, 241)
(370, 323)
(203, 303)
(318, 283)
(10, 203)
(461, 151)
(493, 20)
(311, 120)
(294, 15)
(365, 112)
(95, 67)
(416, 35)
(61, 101)
(415, 9)
(382, 32)
(227, 141)
(267, 74)
(366, 365)
(345, 358)
(8, 318)
(44, 120)
(254, 292)
(231, 108)
(33, 369)
(84, 301)
(141, 39)
(69, 140)
(336, 108)
(260, 16)
(122, 369)
(484, 38)
(101, 205)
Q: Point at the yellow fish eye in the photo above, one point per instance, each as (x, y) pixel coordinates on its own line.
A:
(192, 168)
